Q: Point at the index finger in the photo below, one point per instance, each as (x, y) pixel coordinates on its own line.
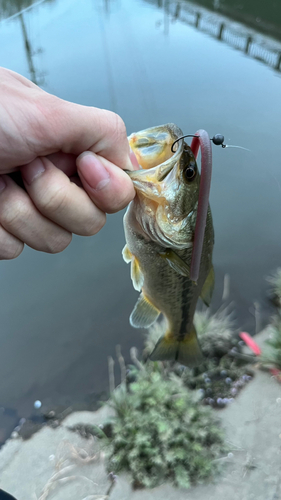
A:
(74, 128)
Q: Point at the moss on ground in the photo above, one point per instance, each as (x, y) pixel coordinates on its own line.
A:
(161, 432)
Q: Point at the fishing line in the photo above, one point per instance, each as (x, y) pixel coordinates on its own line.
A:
(238, 147)
(218, 140)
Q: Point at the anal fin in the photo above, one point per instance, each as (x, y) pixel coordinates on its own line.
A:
(144, 313)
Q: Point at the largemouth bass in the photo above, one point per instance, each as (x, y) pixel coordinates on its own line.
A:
(159, 229)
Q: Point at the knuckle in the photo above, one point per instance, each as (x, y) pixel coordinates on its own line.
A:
(47, 117)
(119, 132)
(13, 212)
(120, 125)
(54, 200)
(59, 242)
(93, 226)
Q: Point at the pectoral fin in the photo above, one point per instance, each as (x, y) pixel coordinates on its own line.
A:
(175, 262)
(208, 288)
(136, 274)
(127, 255)
(144, 313)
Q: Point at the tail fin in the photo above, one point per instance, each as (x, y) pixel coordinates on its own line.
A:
(186, 351)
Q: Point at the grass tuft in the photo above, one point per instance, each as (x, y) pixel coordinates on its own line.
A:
(275, 290)
(215, 332)
(272, 353)
(161, 432)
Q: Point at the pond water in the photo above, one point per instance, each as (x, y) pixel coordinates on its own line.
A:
(208, 64)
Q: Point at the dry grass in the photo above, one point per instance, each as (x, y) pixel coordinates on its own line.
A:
(65, 471)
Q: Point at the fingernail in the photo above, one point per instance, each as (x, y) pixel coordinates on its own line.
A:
(92, 170)
(134, 160)
(32, 170)
(2, 184)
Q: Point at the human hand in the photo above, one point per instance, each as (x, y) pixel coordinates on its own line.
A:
(70, 158)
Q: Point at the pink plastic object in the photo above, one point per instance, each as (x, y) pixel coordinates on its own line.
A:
(203, 141)
(257, 350)
(249, 341)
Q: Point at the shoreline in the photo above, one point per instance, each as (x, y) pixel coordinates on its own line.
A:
(252, 468)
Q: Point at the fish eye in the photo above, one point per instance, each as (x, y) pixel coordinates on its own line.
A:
(190, 173)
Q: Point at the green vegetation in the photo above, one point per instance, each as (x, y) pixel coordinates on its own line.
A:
(223, 375)
(216, 333)
(162, 429)
(272, 354)
(161, 432)
(218, 382)
(275, 290)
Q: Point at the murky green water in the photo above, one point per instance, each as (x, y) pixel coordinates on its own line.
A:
(202, 64)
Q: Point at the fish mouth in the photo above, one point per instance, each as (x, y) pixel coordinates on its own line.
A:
(153, 149)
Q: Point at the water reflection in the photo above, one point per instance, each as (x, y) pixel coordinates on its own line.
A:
(16, 9)
(9, 8)
(251, 43)
(263, 16)
(29, 52)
